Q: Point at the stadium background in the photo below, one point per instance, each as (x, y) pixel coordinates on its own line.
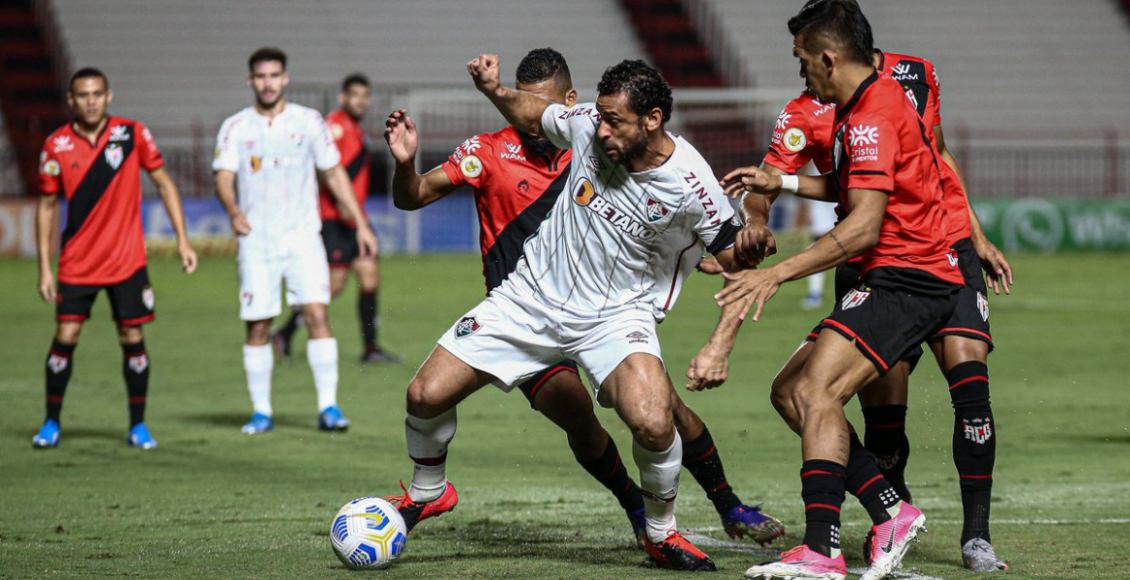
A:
(1035, 109)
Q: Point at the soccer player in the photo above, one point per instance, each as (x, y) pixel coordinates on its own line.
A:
(960, 348)
(517, 178)
(96, 162)
(639, 207)
(886, 172)
(274, 147)
(339, 233)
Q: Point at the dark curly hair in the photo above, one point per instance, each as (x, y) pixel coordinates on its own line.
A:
(543, 64)
(644, 86)
(355, 79)
(838, 23)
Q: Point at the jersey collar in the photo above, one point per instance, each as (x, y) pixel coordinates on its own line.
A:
(843, 111)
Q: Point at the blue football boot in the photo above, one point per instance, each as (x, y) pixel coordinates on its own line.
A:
(48, 435)
(331, 419)
(139, 437)
(259, 423)
(750, 522)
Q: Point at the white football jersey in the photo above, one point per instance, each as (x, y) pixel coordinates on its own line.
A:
(275, 161)
(617, 240)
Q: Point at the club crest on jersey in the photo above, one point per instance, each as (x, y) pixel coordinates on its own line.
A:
(978, 431)
(854, 298)
(655, 210)
(114, 155)
(63, 143)
(471, 166)
(913, 99)
(147, 298)
(466, 327)
(794, 140)
(119, 133)
(983, 306)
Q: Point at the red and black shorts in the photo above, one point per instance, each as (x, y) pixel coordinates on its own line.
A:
(531, 386)
(888, 323)
(340, 239)
(971, 316)
(131, 300)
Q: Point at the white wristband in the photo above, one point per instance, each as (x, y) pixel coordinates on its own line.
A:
(790, 183)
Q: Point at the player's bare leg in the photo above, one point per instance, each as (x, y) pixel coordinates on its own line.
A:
(58, 374)
(642, 394)
(135, 370)
(963, 361)
(368, 311)
(321, 354)
(440, 384)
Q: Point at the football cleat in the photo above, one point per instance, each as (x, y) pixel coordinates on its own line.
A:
(800, 563)
(48, 435)
(378, 355)
(414, 513)
(259, 423)
(331, 419)
(889, 541)
(979, 556)
(746, 521)
(639, 527)
(676, 553)
(139, 437)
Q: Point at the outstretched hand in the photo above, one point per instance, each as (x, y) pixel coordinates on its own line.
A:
(750, 287)
(752, 179)
(401, 136)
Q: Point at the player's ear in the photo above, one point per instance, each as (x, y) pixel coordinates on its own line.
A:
(828, 59)
(654, 119)
(109, 96)
(571, 97)
(70, 99)
(285, 79)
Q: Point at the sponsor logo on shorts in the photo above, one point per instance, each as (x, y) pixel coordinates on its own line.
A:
(637, 337)
(139, 363)
(794, 140)
(978, 431)
(466, 327)
(854, 298)
(57, 363)
(655, 210)
(147, 298)
(114, 155)
(983, 306)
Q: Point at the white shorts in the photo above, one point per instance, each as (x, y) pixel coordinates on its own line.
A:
(514, 335)
(299, 260)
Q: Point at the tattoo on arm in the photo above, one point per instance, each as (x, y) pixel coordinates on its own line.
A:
(842, 248)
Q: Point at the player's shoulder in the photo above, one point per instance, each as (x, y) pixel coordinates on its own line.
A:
(304, 114)
(578, 111)
(689, 173)
(60, 140)
(906, 68)
(240, 117)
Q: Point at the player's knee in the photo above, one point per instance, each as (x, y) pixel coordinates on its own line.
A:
(425, 399)
(654, 429)
(130, 334)
(316, 321)
(68, 332)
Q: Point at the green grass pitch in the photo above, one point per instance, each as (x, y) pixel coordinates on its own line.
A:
(211, 503)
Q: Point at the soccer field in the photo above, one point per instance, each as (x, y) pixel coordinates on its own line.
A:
(212, 503)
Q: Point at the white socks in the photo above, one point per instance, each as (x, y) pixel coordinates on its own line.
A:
(816, 283)
(427, 446)
(321, 353)
(659, 480)
(258, 361)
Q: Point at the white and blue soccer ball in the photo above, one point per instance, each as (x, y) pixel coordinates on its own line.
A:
(368, 534)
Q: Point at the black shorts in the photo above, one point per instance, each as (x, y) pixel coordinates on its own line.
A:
(131, 300)
(971, 316)
(530, 387)
(340, 239)
(846, 279)
(888, 324)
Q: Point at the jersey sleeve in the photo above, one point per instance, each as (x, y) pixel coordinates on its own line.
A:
(564, 125)
(227, 147)
(712, 216)
(149, 154)
(326, 154)
(465, 165)
(872, 146)
(793, 142)
(935, 91)
(50, 171)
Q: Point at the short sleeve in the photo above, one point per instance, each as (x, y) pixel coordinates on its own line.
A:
(465, 165)
(148, 153)
(326, 154)
(935, 92)
(227, 147)
(872, 146)
(711, 215)
(564, 125)
(793, 143)
(50, 171)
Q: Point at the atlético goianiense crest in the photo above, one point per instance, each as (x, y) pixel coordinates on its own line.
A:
(467, 326)
(655, 210)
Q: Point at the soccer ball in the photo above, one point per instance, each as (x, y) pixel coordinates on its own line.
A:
(368, 534)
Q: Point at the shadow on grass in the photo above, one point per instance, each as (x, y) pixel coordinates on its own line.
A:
(237, 420)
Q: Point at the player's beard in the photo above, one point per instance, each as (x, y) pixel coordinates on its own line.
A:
(264, 104)
(538, 146)
(635, 149)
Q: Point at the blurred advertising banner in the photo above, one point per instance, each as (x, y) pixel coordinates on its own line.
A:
(1052, 225)
(17, 228)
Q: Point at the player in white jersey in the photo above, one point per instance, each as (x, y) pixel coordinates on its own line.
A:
(273, 149)
(602, 270)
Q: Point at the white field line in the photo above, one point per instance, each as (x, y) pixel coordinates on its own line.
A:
(1034, 522)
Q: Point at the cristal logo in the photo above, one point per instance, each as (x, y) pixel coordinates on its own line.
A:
(863, 135)
(783, 120)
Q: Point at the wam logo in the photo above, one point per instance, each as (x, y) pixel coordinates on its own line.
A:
(863, 135)
(901, 69)
(467, 326)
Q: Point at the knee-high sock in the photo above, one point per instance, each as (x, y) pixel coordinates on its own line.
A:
(58, 376)
(258, 362)
(864, 481)
(321, 353)
(609, 470)
(886, 438)
(974, 444)
(822, 488)
(659, 481)
(135, 369)
(370, 322)
(701, 458)
(427, 446)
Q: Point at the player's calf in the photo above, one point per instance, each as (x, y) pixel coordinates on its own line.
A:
(974, 444)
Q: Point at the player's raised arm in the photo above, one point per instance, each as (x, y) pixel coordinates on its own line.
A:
(521, 109)
(170, 197)
(410, 190)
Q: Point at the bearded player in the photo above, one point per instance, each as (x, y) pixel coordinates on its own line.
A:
(517, 178)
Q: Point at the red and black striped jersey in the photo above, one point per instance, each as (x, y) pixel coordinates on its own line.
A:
(349, 136)
(103, 242)
(514, 191)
